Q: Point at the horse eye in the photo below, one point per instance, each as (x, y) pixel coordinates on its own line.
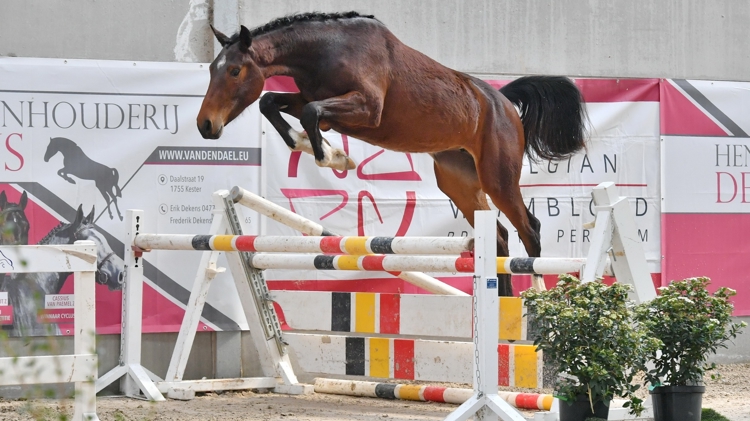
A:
(235, 72)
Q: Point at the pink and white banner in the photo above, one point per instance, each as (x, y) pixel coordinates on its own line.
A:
(706, 184)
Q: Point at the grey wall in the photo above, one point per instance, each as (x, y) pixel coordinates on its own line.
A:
(701, 39)
(142, 30)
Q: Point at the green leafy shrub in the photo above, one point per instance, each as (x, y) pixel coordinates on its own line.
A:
(588, 332)
(692, 324)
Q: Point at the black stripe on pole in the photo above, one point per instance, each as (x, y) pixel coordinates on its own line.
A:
(355, 356)
(202, 242)
(385, 390)
(522, 265)
(323, 262)
(341, 311)
(381, 245)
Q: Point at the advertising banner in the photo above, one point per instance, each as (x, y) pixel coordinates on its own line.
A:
(82, 142)
(706, 184)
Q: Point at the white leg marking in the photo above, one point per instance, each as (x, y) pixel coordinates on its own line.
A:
(333, 157)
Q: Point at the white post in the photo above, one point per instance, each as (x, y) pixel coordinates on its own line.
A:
(134, 378)
(485, 403)
(84, 342)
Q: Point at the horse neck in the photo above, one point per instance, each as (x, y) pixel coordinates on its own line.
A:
(287, 52)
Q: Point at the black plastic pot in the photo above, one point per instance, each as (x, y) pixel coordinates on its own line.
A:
(677, 402)
(580, 409)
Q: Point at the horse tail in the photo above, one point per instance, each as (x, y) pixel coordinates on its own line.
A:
(552, 114)
(116, 176)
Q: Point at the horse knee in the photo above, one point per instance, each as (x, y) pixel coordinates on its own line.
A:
(310, 120)
(267, 103)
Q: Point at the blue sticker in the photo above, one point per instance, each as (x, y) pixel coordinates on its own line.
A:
(491, 283)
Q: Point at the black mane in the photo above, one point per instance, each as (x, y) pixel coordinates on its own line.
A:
(299, 17)
(53, 233)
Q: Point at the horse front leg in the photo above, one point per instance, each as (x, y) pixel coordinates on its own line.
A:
(351, 109)
(64, 174)
(271, 106)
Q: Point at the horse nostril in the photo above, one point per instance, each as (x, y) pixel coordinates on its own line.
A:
(207, 126)
(121, 277)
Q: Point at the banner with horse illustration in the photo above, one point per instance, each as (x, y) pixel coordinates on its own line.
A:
(85, 140)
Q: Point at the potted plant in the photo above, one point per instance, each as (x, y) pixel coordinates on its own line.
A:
(692, 324)
(587, 332)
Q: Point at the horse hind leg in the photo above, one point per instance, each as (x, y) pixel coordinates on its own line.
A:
(457, 177)
(500, 182)
(64, 174)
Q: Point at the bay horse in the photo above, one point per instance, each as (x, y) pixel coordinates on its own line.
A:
(355, 77)
(26, 291)
(76, 162)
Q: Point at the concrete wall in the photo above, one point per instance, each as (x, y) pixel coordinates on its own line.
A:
(142, 30)
(701, 39)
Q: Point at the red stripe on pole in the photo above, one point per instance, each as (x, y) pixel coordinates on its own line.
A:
(403, 359)
(503, 365)
(373, 262)
(527, 401)
(245, 243)
(331, 245)
(465, 264)
(434, 393)
(390, 313)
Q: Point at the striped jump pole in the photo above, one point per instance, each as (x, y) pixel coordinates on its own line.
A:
(291, 244)
(396, 263)
(306, 226)
(425, 393)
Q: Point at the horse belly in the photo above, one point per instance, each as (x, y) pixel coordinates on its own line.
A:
(407, 135)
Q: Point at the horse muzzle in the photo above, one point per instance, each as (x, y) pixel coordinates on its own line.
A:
(209, 130)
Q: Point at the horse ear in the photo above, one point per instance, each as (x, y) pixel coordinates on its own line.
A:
(24, 200)
(89, 218)
(245, 38)
(3, 200)
(79, 216)
(223, 39)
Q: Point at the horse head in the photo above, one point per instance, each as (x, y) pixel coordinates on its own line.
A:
(14, 226)
(109, 266)
(52, 148)
(236, 82)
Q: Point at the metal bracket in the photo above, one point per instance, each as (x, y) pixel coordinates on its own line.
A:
(270, 321)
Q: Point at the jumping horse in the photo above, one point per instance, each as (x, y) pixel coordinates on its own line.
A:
(355, 77)
(76, 162)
